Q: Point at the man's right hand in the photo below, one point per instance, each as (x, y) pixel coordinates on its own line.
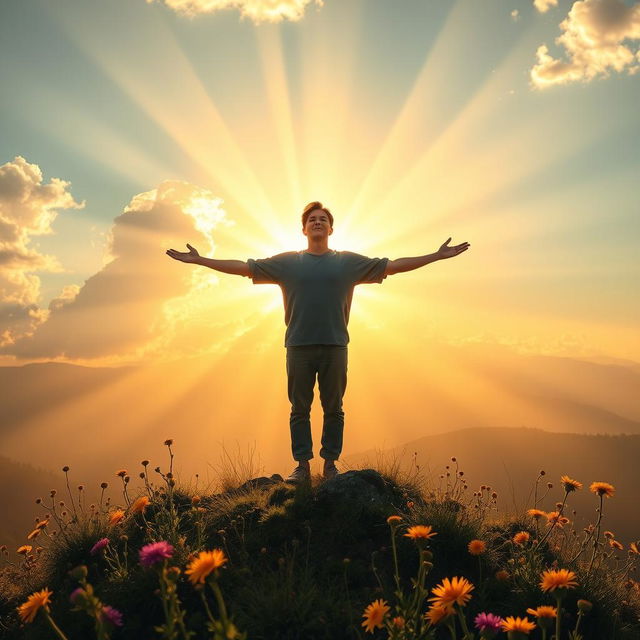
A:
(191, 256)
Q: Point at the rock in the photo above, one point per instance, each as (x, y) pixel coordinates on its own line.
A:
(365, 487)
(260, 483)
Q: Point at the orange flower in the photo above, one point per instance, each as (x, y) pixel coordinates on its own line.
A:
(521, 625)
(42, 524)
(140, 504)
(633, 548)
(420, 531)
(437, 614)
(205, 562)
(543, 612)
(115, 517)
(24, 549)
(555, 518)
(522, 537)
(614, 544)
(394, 520)
(602, 489)
(457, 590)
(570, 484)
(477, 547)
(374, 615)
(34, 534)
(121, 473)
(536, 513)
(558, 579)
(28, 610)
(398, 622)
(502, 575)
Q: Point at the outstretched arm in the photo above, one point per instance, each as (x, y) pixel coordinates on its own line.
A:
(409, 264)
(235, 267)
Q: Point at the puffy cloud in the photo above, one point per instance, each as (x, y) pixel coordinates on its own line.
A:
(544, 5)
(597, 37)
(256, 10)
(124, 312)
(28, 207)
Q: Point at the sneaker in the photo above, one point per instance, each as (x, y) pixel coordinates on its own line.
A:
(330, 470)
(300, 474)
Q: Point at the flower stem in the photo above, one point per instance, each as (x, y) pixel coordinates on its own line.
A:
(55, 627)
(558, 616)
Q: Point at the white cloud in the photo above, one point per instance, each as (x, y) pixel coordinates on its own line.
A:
(28, 208)
(543, 5)
(597, 36)
(256, 10)
(126, 310)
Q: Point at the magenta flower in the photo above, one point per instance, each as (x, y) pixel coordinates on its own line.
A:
(488, 624)
(111, 615)
(77, 594)
(155, 552)
(99, 546)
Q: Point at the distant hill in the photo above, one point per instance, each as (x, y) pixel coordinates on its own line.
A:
(509, 460)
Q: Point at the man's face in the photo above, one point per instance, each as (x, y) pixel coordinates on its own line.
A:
(318, 225)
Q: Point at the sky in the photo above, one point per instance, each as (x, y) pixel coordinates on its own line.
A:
(129, 127)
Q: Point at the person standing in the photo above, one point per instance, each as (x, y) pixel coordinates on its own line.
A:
(317, 287)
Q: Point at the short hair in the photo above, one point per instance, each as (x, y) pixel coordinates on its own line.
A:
(315, 205)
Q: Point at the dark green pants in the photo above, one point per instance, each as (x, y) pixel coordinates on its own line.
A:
(329, 363)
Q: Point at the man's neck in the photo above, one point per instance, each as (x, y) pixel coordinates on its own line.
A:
(319, 247)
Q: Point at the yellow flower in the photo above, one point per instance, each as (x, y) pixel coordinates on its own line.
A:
(522, 537)
(394, 520)
(570, 484)
(521, 625)
(602, 489)
(205, 562)
(558, 579)
(477, 547)
(28, 610)
(116, 517)
(374, 615)
(437, 614)
(536, 513)
(140, 504)
(543, 612)
(34, 534)
(24, 549)
(451, 592)
(420, 531)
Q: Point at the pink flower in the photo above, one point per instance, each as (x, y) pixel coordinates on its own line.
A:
(77, 595)
(99, 546)
(111, 615)
(488, 624)
(155, 552)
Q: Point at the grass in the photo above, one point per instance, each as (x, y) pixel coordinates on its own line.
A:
(305, 562)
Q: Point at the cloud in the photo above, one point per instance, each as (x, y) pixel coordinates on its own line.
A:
(256, 10)
(28, 208)
(124, 311)
(543, 5)
(597, 37)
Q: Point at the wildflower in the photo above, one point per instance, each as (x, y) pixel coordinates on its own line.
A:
(543, 612)
(477, 547)
(394, 520)
(519, 626)
(437, 614)
(77, 596)
(584, 605)
(140, 504)
(374, 615)
(104, 485)
(24, 549)
(602, 489)
(111, 615)
(452, 591)
(42, 524)
(155, 552)
(398, 622)
(522, 537)
(420, 531)
(145, 463)
(99, 546)
(488, 624)
(614, 544)
(168, 442)
(502, 575)
(555, 517)
(206, 562)
(121, 473)
(29, 609)
(633, 548)
(34, 534)
(115, 517)
(609, 534)
(570, 484)
(558, 579)
(536, 513)
(196, 500)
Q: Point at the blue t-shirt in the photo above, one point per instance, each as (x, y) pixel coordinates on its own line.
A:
(317, 291)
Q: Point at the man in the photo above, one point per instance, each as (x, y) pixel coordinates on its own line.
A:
(317, 287)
